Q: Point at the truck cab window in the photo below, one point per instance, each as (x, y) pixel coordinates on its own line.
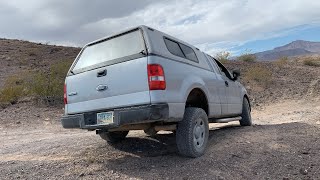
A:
(224, 70)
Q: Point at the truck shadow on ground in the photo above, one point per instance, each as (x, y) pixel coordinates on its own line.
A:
(230, 145)
(165, 144)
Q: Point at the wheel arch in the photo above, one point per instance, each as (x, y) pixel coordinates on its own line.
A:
(197, 98)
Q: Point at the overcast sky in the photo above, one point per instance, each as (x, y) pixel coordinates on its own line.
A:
(213, 25)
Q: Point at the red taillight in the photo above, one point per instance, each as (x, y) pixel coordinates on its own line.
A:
(65, 99)
(156, 77)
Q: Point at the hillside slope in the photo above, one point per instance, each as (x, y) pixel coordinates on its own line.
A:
(17, 56)
(295, 48)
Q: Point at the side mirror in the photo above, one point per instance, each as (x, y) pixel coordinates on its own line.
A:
(236, 74)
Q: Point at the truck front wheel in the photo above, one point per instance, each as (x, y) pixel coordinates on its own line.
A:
(193, 132)
(246, 114)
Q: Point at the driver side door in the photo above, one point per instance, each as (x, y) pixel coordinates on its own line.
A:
(233, 91)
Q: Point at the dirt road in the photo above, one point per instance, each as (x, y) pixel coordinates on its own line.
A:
(283, 143)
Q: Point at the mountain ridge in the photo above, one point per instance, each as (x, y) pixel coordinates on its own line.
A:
(292, 49)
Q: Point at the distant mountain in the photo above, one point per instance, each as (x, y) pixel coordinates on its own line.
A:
(295, 48)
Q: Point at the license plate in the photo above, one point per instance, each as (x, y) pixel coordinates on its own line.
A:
(104, 118)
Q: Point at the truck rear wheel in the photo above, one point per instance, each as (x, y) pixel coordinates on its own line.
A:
(246, 114)
(114, 137)
(193, 132)
(151, 132)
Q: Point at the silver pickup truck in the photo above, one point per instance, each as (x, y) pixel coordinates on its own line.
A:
(144, 79)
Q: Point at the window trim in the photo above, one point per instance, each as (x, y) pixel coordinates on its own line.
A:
(185, 57)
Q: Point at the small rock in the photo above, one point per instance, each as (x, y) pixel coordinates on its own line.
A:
(303, 171)
(81, 175)
(18, 122)
(285, 178)
(220, 178)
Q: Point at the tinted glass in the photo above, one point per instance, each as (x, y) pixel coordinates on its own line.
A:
(173, 48)
(189, 53)
(121, 46)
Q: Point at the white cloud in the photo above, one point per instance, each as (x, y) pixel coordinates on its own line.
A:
(211, 25)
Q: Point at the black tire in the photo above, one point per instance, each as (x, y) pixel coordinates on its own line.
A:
(194, 124)
(246, 113)
(151, 132)
(114, 137)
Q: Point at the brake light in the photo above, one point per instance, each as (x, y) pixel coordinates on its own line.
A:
(65, 99)
(156, 77)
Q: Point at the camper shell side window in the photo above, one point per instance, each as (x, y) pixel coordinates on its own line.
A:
(181, 50)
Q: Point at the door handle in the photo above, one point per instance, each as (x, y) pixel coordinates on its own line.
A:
(102, 73)
(102, 88)
(72, 94)
(226, 83)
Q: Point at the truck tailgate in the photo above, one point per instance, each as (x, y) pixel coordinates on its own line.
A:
(119, 85)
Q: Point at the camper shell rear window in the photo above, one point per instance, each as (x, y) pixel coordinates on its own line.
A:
(123, 47)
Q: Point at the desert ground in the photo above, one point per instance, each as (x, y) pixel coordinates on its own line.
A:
(282, 144)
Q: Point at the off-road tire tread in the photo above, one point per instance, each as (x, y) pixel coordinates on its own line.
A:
(246, 114)
(184, 132)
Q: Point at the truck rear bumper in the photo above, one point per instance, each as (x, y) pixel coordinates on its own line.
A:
(122, 116)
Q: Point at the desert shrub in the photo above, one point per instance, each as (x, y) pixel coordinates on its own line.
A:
(281, 62)
(46, 86)
(247, 57)
(223, 56)
(260, 75)
(311, 61)
(13, 89)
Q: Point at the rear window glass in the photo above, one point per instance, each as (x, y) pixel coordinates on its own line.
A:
(180, 50)
(174, 48)
(117, 47)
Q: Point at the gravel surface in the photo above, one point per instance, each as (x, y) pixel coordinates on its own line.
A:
(268, 150)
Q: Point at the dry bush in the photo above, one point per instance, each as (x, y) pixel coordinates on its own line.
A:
(13, 89)
(247, 57)
(223, 57)
(312, 61)
(281, 62)
(46, 85)
(260, 75)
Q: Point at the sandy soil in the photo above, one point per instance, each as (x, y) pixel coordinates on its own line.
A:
(283, 144)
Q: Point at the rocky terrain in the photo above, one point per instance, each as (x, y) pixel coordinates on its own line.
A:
(284, 142)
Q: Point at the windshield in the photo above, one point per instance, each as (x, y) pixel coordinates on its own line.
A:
(118, 47)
